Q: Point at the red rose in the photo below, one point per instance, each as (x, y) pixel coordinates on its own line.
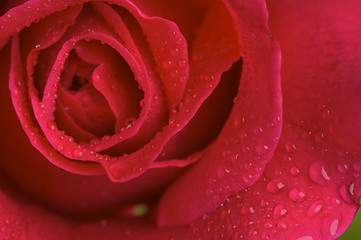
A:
(162, 119)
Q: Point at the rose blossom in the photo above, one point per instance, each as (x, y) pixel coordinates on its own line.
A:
(176, 107)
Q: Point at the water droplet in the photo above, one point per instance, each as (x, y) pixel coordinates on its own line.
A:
(274, 186)
(130, 123)
(268, 225)
(257, 131)
(174, 52)
(51, 126)
(334, 227)
(342, 168)
(279, 211)
(297, 195)
(182, 63)
(264, 203)
(282, 225)
(247, 166)
(251, 210)
(352, 189)
(167, 64)
(142, 103)
(294, 171)
(182, 79)
(234, 157)
(78, 153)
(252, 232)
(15, 92)
(245, 179)
(318, 173)
(290, 147)
(179, 41)
(105, 138)
(245, 148)
(262, 149)
(315, 208)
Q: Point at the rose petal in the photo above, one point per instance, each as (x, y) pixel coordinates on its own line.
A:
(301, 195)
(311, 188)
(114, 79)
(122, 170)
(209, 120)
(69, 124)
(195, 95)
(166, 42)
(324, 83)
(249, 137)
(19, 99)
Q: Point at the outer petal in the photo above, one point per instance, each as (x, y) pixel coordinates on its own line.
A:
(311, 188)
(329, 65)
(248, 139)
(302, 195)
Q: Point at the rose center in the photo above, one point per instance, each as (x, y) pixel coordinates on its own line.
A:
(98, 94)
(78, 82)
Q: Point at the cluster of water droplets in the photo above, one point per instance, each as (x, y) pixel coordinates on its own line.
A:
(295, 194)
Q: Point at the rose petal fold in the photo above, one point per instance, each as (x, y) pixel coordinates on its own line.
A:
(302, 195)
(248, 139)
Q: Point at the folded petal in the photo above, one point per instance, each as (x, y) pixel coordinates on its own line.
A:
(248, 139)
(311, 187)
(302, 195)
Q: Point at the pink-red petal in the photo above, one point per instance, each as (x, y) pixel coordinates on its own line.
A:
(248, 139)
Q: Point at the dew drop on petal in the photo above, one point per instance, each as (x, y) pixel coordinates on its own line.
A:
(78, 152)
(174, 52)
(342, 168)
(318, 173)
(105, 138)
(264, 203)
(251, 210)
(274, 186)
(182, 63)
(334, 227)
(315, 208)
(46, 3)
(142, 103)
(352, 189)
(60, 147)
(262, 149)
(282, 225)
(297, 195)
(294, 171)
(279, 211)
(290, 147)
(51, 125)
(268, 225)
(344, 192)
